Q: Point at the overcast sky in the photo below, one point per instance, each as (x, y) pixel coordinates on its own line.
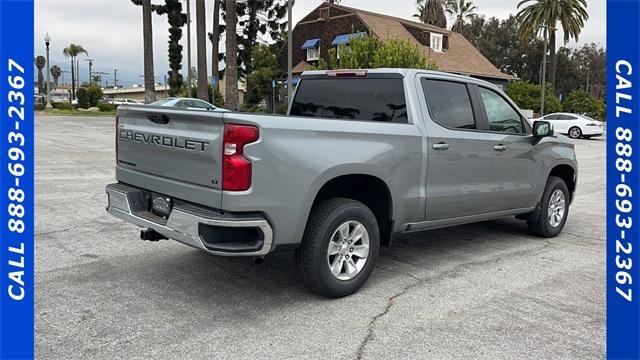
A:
(111, 30)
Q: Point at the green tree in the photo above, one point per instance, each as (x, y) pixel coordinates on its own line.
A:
(177, 19)
(581, 102)
(432, 12)
(55, 72)
(499, 42)
(265, 69)
(260, 18)
(572, 14)
(359, 55)
(40, 63)
(214, 36)
(527, 96)
(368, 52)
(83, 98)
(400, 53)
(72, 51)
(461, 10)
(94, 94)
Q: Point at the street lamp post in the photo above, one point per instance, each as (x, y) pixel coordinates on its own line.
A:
(47, 41)
(188, 48)
(289, 51)
(543, 83)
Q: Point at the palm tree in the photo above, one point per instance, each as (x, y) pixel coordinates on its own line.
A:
(40, 63)
(147, 40)
(55, 72)
(572, 14)
(461, 10)
(201, 39)
(432, 12)
(231, 72)
(72, 51)
(215, 42)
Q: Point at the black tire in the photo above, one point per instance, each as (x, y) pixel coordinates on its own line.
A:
(542, 226)
(575, 132)
(324, 220)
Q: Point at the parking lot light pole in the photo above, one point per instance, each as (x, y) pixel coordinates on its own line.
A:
(543, 83)
(47, 41)
(289, 51)
(188, 48)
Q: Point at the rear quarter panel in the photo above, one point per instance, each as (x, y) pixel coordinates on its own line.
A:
(296, 156)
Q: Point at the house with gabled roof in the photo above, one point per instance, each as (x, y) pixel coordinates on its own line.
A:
(330, 25)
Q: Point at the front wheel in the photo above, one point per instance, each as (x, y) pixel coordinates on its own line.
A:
(575, 132)
(339, 248)
(554, 209)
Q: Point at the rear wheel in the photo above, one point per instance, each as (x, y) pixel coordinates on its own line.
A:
(339, 248)
(575, 132)
(554, 209)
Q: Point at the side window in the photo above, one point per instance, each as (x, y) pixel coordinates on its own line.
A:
(201, 105)
(449, 104)
(551, 117)
(500, 114)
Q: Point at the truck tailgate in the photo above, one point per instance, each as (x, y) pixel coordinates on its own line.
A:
(172, 152)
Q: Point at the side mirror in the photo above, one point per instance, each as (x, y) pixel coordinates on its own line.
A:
(542, 129)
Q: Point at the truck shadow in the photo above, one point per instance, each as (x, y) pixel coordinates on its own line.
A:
(210, 279)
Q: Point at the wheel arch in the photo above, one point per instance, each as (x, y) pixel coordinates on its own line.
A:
(568, 174)
(357, 182)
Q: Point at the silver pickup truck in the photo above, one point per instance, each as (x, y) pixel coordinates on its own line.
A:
(362, 157)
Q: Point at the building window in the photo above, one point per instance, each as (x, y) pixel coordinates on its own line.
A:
(313, 54)
(312, 47)
(436, 42)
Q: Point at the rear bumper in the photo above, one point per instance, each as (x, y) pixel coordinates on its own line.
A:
(592, 131)
(215, 233)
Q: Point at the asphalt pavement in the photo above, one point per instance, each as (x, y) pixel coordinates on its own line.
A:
(484, 291)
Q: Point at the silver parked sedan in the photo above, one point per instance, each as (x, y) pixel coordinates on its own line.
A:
(188, 103)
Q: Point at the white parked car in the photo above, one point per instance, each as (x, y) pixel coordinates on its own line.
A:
(188, 103)
(124, 102)
(574, 125)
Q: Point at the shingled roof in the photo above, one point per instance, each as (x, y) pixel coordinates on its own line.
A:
(461, 56)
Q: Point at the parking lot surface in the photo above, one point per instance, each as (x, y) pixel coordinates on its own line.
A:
(485, 291)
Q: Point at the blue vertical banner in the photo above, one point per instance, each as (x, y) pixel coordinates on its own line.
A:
(16, 179)
(623, 179)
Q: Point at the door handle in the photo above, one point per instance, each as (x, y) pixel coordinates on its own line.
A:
(441, 146)
(500, 148)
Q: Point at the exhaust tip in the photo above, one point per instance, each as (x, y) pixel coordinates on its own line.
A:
(258, 260)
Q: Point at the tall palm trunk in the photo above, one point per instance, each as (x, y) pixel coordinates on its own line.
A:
(73, 80)
(201, 34)
(552, 59)
(147, 38)
(215, 39)
(231, 73)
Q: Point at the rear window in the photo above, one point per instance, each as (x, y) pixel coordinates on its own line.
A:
(370, 99)
(449, 104)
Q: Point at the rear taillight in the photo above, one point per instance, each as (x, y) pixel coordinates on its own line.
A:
(117, 131)
(236, 168)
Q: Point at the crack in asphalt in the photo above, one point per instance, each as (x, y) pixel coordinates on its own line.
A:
(437, 277)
